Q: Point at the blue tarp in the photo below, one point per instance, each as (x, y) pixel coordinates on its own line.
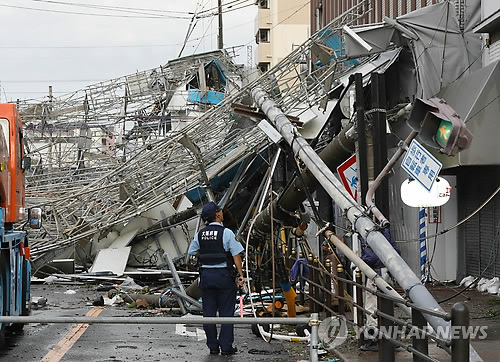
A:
(333, 41)
(210, 97)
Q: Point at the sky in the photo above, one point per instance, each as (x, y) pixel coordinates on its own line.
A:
(70, 44)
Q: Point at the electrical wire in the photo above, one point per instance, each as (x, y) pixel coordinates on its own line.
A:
(471, 64)
(88, 46)
(460, 222)
(163, 17)
(226, 4)
(482, 109)
(428, 264)
(432, 39)
(113, 8)
(203, 36)
(226, 11)
(190, 30)
(493, 254)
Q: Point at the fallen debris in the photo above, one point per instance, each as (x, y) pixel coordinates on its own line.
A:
(38, 302)
(98, 302)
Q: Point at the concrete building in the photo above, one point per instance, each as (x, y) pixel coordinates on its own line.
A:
(280, 26)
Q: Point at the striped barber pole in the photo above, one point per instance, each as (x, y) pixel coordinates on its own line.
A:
(423, 248)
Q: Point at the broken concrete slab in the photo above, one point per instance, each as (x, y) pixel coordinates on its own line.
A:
(111, 259)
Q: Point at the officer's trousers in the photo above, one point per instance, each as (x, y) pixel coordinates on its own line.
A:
(218, 293)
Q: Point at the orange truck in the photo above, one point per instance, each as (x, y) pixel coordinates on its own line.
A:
(15, 268)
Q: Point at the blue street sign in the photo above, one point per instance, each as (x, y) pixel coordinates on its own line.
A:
(421, 165)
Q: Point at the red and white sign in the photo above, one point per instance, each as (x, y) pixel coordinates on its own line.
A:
(348, 173)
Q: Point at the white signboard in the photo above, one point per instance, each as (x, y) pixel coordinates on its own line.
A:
(421, 165)
(413, 194)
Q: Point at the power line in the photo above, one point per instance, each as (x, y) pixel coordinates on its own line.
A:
(53, 80)
(226, 11)
(140, 11)
(190, 30)
(203, 36)
(97, 14)
(87, 46)
(113, 8)
(40, 92)
(226, 5)
(130, 46)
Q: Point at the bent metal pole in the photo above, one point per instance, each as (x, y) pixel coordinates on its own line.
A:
(361, 222)
(364, 268)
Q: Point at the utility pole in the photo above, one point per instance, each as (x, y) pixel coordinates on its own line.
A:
(221, 41)
(362, 158)
(379, 103)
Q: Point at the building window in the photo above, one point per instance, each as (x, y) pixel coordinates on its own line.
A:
(262, 36)
(264, 66)
(263, 4)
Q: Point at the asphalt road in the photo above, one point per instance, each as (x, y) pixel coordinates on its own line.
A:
(101, 342)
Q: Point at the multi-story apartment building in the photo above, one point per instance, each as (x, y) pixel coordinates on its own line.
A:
(280, 25)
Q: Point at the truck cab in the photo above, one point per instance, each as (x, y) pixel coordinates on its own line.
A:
(15, 267)
(11, 164)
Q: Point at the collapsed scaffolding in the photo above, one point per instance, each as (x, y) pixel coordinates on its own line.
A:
(88, 177)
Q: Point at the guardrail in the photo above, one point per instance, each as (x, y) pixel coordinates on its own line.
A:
(313, 322)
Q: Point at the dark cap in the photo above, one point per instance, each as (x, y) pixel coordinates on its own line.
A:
(209, 210)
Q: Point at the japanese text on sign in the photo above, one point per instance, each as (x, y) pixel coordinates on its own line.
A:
(421, 165)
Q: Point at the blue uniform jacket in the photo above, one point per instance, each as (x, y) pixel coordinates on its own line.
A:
(370, 258)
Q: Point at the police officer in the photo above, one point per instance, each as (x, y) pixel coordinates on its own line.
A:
(218, 250)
